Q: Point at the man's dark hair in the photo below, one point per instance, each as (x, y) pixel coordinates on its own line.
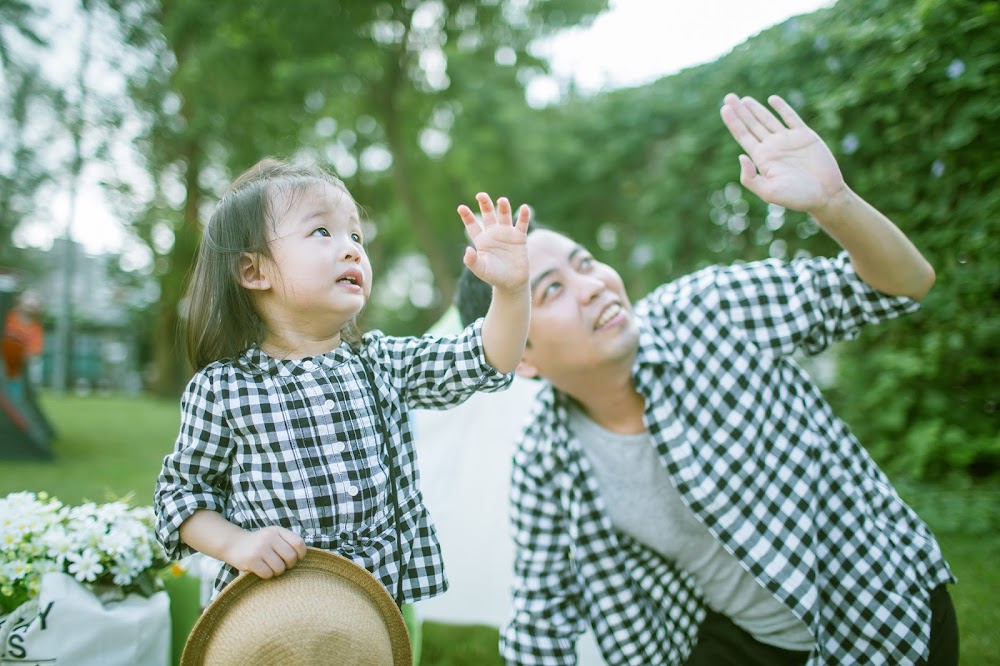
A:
(473, 296)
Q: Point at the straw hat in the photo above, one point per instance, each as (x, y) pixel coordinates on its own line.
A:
(324, 610)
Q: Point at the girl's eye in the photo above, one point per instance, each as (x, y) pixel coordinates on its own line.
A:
(586, 263)
(321, 231)
(356, 237)
(550, 290)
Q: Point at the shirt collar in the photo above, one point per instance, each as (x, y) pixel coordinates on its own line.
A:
(260, 361)
(657, 343)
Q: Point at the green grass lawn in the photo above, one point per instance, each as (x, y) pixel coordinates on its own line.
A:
(111, 447)
(106, 448)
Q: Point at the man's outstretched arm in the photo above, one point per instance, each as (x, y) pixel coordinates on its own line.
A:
(786, 163)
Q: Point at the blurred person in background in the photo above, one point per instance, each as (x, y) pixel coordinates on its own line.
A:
(23, 343)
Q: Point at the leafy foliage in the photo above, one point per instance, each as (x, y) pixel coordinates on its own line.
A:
(24, 92)
(421, 104)
(364, 87)
(904, 93)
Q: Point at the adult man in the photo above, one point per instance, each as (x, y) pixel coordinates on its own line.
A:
(682, 486)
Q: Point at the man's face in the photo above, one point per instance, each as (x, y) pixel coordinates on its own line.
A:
(581, 317)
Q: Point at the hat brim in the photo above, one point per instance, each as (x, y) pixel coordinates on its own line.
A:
(324, 602)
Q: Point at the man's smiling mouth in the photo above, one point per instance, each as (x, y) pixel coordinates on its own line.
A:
(607, 315)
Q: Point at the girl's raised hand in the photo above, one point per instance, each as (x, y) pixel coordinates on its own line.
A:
(499, 251)
(788, 163)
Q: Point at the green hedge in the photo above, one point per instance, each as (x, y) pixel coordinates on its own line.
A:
(907, 95)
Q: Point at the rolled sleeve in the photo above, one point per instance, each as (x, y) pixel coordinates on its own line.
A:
(441, 372)
(194, 475)
(805, 304)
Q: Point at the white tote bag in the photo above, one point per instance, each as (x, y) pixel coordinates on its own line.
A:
(68, 625)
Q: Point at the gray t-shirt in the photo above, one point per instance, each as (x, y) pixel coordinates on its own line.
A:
(642, 503)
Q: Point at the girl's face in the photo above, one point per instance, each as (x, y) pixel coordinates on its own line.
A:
(319, 276)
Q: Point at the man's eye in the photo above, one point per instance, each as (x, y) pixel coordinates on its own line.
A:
(321, 231)
(550, 290)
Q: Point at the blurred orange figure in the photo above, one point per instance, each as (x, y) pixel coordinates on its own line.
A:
(23, 336)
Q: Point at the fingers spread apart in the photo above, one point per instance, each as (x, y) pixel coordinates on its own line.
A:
(491, 216)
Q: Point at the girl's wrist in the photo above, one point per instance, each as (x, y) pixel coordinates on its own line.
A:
(512, 293)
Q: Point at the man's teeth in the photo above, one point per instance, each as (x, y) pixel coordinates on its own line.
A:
(609, 313)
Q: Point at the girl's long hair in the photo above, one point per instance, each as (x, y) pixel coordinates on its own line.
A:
(221, 321)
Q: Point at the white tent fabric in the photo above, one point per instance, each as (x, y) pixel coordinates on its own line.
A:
(464, 458)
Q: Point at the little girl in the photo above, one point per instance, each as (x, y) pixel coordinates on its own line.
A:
(294, 432)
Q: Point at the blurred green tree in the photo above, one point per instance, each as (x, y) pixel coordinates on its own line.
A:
(905, 95)
(420, 105)
(370, 88)
(24, 90)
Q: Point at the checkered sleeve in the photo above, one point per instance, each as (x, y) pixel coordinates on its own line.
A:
(194, 475)
(440, 372)
(805, 304)
(546, 621)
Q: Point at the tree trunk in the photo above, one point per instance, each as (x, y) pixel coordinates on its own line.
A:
(402, 177)
(170, 350)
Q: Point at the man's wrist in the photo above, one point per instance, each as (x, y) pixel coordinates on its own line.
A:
(837, 208)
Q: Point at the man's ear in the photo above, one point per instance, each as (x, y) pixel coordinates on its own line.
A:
(251, 274)
(526, 370)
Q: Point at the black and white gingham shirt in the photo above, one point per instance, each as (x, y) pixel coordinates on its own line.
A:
(298, 444)
(759, 457)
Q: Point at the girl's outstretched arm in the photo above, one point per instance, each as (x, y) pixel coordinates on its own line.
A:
(499, 257)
